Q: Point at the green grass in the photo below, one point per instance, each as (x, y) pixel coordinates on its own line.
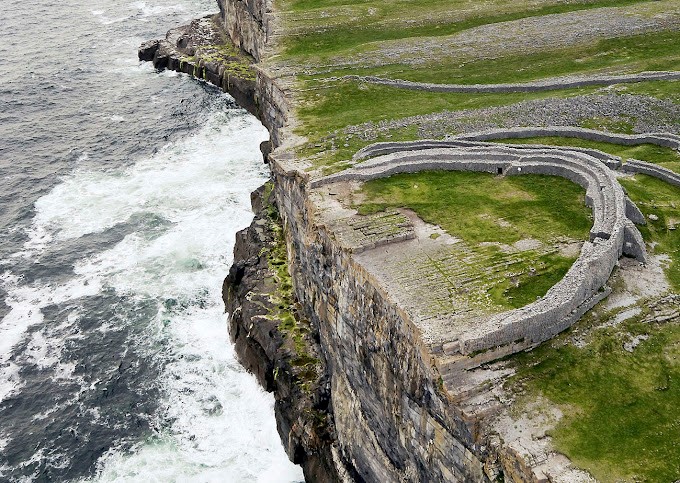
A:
(479, 207)
(621, 419)
(666, 157)
(669, 90)
(386, 22)
(656, 197)
(518, 290)
(631, 54)
(324, 110)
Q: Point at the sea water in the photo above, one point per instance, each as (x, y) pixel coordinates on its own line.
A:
(122, 190)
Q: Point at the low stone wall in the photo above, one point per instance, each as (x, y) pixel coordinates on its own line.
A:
(377, 149)
(571, 82)
(637, 166)
(611, 236)
(660, 139)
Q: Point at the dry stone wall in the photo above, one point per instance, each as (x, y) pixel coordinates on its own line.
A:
(611, 235)
(572, 82)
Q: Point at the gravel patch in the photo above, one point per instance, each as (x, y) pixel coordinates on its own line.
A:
(644, 113)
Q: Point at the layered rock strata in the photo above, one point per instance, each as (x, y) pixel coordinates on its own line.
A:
(362, 394)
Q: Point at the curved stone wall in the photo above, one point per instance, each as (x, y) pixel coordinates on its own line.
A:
(660, 139)
(571, 82)
(612, 234)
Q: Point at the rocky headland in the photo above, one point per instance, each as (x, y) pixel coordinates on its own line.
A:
(403, 344)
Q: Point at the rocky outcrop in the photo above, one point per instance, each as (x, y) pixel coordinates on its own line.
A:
(275, 343)
(202, 50)
(249, 23)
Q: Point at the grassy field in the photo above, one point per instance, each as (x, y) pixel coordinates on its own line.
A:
(326, 28)
(480, 208)
(621, 421)
(655, 197)
(637, 53)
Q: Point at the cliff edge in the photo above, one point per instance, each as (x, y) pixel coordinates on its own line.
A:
(451, 188)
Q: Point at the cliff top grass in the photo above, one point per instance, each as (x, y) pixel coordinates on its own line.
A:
(662, 200)
(459, 41)
(321, 29)
(491, 215)
(620, 405)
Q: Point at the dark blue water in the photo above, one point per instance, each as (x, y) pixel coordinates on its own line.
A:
(121, 192)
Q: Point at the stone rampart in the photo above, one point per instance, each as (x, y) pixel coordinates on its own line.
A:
(637, 166)
(612, 233)
(572, 82)
(377, 149)
(660, 139)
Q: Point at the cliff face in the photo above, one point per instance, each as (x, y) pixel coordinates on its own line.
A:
(387, 417)
(359, 396)
(392, 418)
(283, 356)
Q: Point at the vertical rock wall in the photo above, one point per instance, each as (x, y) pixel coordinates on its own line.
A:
(390, 416)
(249, 23)
(393, 420)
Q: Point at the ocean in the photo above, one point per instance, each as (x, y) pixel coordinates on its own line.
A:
(122, 190)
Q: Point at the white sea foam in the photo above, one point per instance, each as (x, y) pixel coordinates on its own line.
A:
(26, 302)
(187, 201)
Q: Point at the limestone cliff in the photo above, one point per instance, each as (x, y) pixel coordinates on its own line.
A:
(359, 390)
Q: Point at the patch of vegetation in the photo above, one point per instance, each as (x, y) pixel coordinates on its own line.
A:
(485, 211)
(662, 200)
(480, 207)
(666, 157)
(343, 103)
(236, 62)
(660, 89)
(523, 287)
(283, 299)
(611, 124)
(636, 53)
(365, 22)
(620, 409)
